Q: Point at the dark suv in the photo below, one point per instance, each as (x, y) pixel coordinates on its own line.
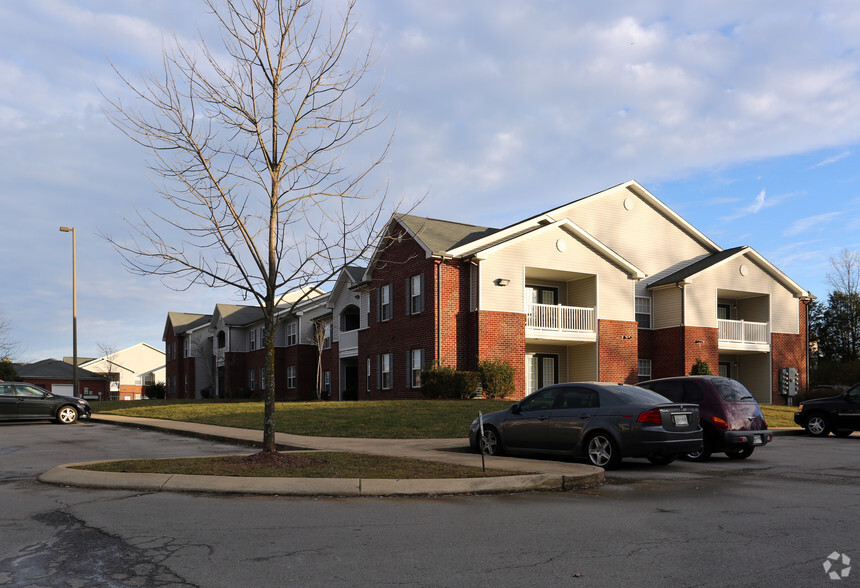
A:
(730, 417)
(839, 414)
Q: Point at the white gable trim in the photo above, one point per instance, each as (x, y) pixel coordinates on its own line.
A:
(633, 272)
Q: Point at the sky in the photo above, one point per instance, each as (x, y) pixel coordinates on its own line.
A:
(743, 117)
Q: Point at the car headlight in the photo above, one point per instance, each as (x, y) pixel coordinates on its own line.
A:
(475, 422)
(800, 407)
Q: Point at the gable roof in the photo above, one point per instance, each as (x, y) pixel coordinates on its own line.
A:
(439, 236)
(578, 233)
(54, 369)
(235, 315)
(688, 273)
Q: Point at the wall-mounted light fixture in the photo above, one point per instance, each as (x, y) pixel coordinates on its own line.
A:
(626, 337)
(698, 341)
(502, 281)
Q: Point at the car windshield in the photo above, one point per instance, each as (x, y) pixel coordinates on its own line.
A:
(732, 390)
(621, 395)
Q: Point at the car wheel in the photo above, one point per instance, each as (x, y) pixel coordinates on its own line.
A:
(739, 452)
(703, 454)
(67, 415)
(602, 451)
(490, 443)
(818, 426)
(843, 432)
(662, 459)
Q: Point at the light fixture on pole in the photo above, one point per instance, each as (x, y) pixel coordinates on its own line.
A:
(71, 230)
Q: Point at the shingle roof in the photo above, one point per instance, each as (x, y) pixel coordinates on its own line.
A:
(440, 235)
(234, 314)
(185, 321)
(696, 267)
(54, 369)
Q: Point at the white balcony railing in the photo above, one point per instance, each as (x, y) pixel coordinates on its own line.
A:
(560, 318)
(348, 341)
(743, 331)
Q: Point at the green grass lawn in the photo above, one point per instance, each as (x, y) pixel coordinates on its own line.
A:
(381, 419)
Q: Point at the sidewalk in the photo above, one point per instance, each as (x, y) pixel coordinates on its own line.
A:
(537, 474)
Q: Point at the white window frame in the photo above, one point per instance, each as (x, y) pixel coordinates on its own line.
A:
(416, 362)
(253, 340)
(327, 335)
(415, 294)
(291, 377)
(292, 333)
(326, 382)
(367, 377)
(644, 370)
(186, 347)
(385, 361)
(252, 379)
(385, 306)
(640, 303)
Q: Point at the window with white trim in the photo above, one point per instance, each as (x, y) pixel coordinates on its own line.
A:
(385, 371)
(414, 363)
(185, 347)
(252, 344)
(415, 294)
(326, 383)
(292, 336)
(252, 379)
(384, 303)
(367, 377)
(291, 377)
(327, 335)
(644, 370)
(643, 312)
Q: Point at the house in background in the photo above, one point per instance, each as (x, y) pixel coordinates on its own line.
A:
(129, 370)
(58, 377)
(614, 286)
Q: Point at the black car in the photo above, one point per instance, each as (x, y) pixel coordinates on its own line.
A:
(602, 422)
(837, 414)
(22, 401)
(731, 419)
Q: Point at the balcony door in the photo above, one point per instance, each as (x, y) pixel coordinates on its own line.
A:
(541, 370)
(542, 295)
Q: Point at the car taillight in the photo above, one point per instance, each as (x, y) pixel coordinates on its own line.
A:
(651, 416)
(720, 422)
(764, 424)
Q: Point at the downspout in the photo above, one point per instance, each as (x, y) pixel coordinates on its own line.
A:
(439, 311)
(680, 286)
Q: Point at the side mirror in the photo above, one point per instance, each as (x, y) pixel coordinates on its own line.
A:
(515, 409)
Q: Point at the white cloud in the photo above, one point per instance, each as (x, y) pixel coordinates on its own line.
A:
(811, 223)
(831, 160)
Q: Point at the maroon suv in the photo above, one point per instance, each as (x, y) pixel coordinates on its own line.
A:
(730, 417)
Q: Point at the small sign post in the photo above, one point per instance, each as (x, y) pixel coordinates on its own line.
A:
(483, 443)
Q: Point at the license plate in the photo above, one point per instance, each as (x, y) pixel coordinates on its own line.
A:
(757, 440)
(680, 420)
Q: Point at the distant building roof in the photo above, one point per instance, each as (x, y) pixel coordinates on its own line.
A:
(54, 369)
(185, 321)
(440, 235)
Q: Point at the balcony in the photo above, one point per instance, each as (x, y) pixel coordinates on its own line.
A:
(348, 344)
(743, 335)
(549, 321)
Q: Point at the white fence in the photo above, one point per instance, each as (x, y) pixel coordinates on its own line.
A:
(743, 331)
(560, 318)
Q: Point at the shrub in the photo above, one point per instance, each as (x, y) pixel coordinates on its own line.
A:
(7, 370)
(439, 381)
(497, 377)
(701, 368)
(156, 391)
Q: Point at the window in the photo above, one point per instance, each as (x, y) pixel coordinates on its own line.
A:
(643, 312)
(541, 401)
(415, 294)
(368, 374)
(385, 371)
(222, 340)
(185, 347)
(253, 340)
(262, 378)
(384, 303)
(291, 376)
(327, 335)
(292, 337)
(350, 318)
(542, 295)
(414, 363)
(252, 379)
(326, 384)
(644, 369)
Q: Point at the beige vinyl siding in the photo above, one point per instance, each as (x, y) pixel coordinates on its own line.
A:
(666, 307)
(558, 350)
(702, 295)
(754, 309)
(753, 371)
(642, 235)
(538, 253)
(582, 362)
(582, 292)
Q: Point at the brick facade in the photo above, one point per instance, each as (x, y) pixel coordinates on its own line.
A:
(500, 336)
(617, 351)
(790, 351)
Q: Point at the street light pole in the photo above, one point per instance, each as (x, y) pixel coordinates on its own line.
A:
(71, 230)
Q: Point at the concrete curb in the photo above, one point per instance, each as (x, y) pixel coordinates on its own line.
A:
(554, 476)
(68, 475)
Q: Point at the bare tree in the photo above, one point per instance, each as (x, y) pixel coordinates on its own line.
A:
(8, 345)
(320, 336)
(108, 352)
(249, 140)
(843, 312)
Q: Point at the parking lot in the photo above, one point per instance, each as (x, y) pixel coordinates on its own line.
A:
(771, 519)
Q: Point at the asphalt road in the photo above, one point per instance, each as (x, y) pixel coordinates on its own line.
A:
(771, 520)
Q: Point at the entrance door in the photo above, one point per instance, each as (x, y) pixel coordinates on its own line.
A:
(350, 379)
(541, 370)
(725, 369)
